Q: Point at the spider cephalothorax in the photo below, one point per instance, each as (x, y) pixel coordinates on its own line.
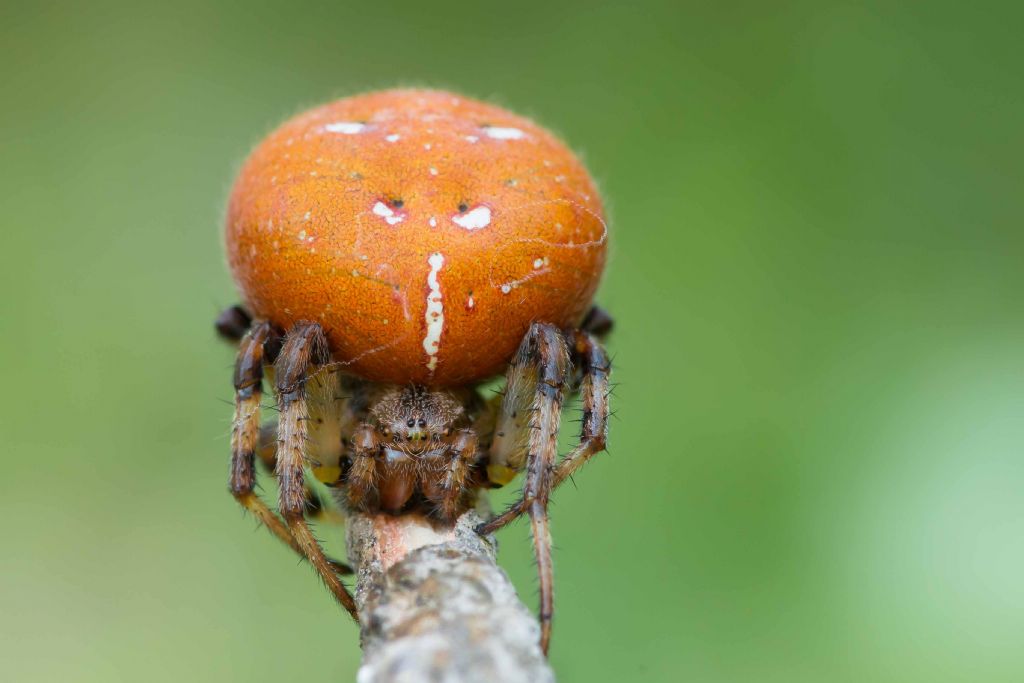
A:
(415, 443)
(393, 251)
(413, 417)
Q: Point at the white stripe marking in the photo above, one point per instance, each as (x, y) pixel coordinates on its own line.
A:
(435, 311)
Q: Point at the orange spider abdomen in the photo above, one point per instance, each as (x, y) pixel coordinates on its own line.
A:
(423, 230)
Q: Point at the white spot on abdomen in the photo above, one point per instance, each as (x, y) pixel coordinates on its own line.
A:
(345, 127)
(394, 137)
(387, 213)
(499, 133)
(474, 219)
(435, 311)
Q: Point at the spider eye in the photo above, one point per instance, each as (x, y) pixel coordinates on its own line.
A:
(410, 423)
(422, 423)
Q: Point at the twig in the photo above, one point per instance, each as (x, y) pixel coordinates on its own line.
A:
(436, 608)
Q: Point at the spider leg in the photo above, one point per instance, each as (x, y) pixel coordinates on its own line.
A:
(533, 398)
(450, 483)
(361, 482)
(317, 507)
(245, 430)
(535, 381)
(304, 347)
(594, 392)
(232, 323)
(266, 455)
(597, 322)
(594, 433)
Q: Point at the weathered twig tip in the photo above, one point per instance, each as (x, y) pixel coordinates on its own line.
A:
(435, 607)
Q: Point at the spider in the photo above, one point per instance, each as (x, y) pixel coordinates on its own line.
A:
(351, 290)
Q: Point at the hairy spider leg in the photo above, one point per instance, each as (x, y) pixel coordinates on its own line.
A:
(245, 430)
(318, 508)
(594, 391)
(361, 483)
(304, 348)
(536, 379)
(450, 482)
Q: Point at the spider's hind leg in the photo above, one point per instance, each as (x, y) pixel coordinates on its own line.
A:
(232, 323)
(597, 322)
(594, 391)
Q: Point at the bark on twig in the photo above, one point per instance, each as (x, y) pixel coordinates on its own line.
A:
(436, 608)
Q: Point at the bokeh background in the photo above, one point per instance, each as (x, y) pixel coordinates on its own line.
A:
(817, 465)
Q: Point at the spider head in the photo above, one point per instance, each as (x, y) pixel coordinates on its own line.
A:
(414, 418)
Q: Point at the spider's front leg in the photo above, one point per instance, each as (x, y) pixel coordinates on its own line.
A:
(527, 435)
(305, 347)
(318, 508)
(245, 430)
(594, 390)
(258, 344)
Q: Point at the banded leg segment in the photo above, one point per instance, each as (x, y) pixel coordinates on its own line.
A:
(317, 508)
(594, 391)
(245, 430)
(540, 369)
(304, 348)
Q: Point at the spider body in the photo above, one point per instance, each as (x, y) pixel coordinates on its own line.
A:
(375, 366)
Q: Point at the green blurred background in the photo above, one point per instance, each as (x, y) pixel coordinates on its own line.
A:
(816, 469)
